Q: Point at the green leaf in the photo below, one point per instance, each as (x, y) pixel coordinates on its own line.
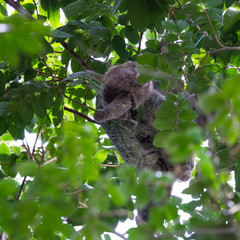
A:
(210, 103)
(46, 99)
(131, 34)
(237, 176)
(116, 195)
(153, 44)
(100, 32)
(139, 14)
(171, 26)
(187, 115)
(57, 111)
(159, 194)
(25, 110)
(182, 25)
(15, 131)
(123, 19)
(229, 3)
(147, 59)
(38, 108)
(3, 10)
(3, 112)
(100, 156)
(7, 187)
(137, 233)
(231, 20)
(4, 152)
(142, 195)
(119, 46)
(3, 125)
(2, 85)
(116, 5)
(60, 34)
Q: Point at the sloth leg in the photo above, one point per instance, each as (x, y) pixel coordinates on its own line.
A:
(117, 108)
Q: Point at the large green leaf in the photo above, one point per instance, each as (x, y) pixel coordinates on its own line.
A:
(120, 47)
(38, 108)
(131, 34)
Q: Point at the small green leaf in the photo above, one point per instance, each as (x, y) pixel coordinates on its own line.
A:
(182, 25)
(153, 45)
(187, 115)
(147, 59)
(171, 26)
(123, 19)
(100, 156)
(4, 152)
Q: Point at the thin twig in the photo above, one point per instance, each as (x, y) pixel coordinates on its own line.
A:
(201, 62)
(214, 51)
(75, 192)
(210, 21)
(36, 7)
(20, 190)
(119, 235)
(34, 146)
(180, 5)
(109, 165)
(43, 150)
(48, 68)
(50, 161)
(26, 146)
(80, 60)
(80, 114)
(82, 104)
(95, 46)
(47, 74)
(140, 42)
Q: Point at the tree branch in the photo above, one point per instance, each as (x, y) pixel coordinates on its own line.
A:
(34, 146)
(80, 114)
(77, 102)
(140, 42)
(80, 60)
(20, 190)
(18, 7)
(210, 21)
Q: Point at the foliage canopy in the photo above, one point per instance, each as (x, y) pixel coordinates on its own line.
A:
(64, 182)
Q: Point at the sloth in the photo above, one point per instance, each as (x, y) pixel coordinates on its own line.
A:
(117, 112)
(122, 92)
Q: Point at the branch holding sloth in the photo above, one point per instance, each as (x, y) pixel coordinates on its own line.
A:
(117, 112)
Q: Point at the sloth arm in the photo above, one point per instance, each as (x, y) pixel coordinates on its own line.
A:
(115, 109)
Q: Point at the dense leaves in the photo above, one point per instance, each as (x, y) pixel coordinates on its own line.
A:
(60, 177)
